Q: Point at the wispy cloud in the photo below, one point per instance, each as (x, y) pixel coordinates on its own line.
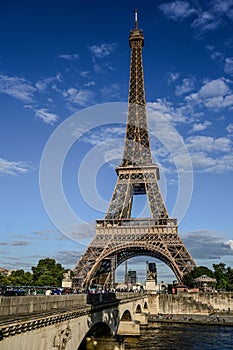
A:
(17, 87)
(44, 83)
(85, 73)
(99, 55)
(207, 16)
(200, 126)
(171, 77)
(12, 167)
(229, 128)
(89, 83)
(68, 257)
(69, 57)
(188, 84)
(103, 50)
(23, 90)
(177, 10)
(82, 97)
(46, 116)
(214, 54)
(228, 68)
(206, 21)
(112, 91)
(167, 110)
(14, 243)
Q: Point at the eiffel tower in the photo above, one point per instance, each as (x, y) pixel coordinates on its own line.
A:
(119, 237)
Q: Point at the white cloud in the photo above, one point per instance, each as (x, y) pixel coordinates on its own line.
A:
(229, 244)
(229, 128)
(17, 87)
(69, 57)
(209, 154)
(200, 126)
(68, 257)
(228, 69)
(208, 15)
(167, 110)
(214, 88)
(177, 10)
(103, 50)
(111, 91)
(89, 83)
(84, 73)
(13, 168)
(215, 94)
(209, 144)
(43, 84)
(188, 84)
(14, 243)
(171, 77)
(214, 54)
(206, 21)
(82, 97)
(45, 116)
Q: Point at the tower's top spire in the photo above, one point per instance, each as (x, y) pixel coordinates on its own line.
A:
(136, 34)
(136, 19)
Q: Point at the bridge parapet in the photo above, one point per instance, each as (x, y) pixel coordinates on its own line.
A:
(41, 303)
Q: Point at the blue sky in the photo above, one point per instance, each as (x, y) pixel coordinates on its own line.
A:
(58, 58)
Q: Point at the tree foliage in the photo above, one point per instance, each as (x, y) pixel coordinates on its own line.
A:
(19, 278)
(222, 274)
(46, 273)
(197, 272)
(224, 277)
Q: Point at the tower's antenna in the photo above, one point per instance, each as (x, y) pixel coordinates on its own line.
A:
(136, 18)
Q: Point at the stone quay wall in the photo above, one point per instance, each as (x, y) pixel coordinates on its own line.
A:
(190, 303)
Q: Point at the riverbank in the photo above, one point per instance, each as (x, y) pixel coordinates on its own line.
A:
(217, 319)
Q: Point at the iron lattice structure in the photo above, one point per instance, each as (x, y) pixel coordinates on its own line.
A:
(119, 237)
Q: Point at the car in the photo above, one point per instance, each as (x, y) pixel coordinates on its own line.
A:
(14, 292)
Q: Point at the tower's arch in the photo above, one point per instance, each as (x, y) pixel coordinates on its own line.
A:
(101, 268)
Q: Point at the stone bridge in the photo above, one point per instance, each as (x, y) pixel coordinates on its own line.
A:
(71, 322)
(95, 321)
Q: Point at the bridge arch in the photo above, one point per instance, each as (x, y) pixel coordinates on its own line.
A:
(98, 330)
(138, 309)
(126, 316)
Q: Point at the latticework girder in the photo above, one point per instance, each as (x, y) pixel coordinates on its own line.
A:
(119, 237)
(124, 239)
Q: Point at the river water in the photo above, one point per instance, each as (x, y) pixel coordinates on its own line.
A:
(182, 337)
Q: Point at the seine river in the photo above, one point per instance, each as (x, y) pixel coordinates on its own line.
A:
(182, 337)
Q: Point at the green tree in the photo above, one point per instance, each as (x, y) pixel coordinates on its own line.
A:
(229, 275)
(20, 278)
(3, 280)
(47, 273)
(197, 272)
(220, 273)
